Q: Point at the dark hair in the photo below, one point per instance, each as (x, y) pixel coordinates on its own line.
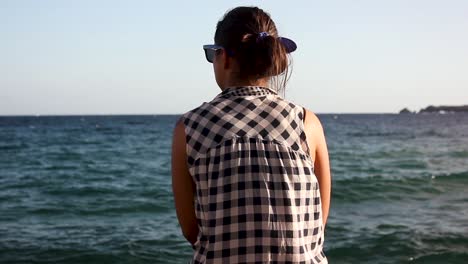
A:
(258, 57)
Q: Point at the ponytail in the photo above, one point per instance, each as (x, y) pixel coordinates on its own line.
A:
(261, 55)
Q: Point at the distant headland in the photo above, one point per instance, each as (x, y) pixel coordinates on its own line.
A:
(437, 109)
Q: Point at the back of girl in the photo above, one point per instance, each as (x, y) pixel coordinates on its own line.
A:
(251, 175)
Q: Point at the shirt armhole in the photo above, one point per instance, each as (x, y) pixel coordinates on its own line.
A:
(305, 134)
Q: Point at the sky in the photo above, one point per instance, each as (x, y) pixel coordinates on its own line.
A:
(146, 57)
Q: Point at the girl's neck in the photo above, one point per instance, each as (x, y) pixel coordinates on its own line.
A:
(259, 82)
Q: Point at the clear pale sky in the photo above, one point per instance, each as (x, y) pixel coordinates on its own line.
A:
(146, 57)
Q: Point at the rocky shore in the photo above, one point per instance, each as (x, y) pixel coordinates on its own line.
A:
(436, 109)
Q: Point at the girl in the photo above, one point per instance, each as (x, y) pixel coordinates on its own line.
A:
(250, 170)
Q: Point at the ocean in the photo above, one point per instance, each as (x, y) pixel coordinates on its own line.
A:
(97, 189)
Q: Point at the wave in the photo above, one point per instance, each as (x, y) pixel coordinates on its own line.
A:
(106, 210)
(400, 246)
(459, 154)
(379, 134)
(441, 257)
(397, 188)
(115, 250)
(18, 146)
(399, 134)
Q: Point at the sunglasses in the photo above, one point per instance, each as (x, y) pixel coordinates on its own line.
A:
(210, 51)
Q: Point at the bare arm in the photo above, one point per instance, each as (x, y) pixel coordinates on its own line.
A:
(319, 151)
(183, 186)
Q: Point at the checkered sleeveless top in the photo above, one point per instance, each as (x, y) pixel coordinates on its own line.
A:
(257, 197)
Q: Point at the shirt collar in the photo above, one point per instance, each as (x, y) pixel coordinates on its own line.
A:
(246, 91)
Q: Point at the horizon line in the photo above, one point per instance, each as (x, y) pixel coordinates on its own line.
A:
(172, 114)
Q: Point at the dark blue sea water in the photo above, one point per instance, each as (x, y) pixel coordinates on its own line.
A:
(97, 189)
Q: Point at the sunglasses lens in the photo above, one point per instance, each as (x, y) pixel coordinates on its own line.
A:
(209, 53)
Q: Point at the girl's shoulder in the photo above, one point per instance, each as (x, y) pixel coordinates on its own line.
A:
(312, 118)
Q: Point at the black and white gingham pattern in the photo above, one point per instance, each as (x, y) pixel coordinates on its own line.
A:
(257, 197)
